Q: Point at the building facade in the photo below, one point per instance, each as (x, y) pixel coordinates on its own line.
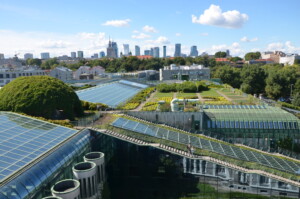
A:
(137, 51)
(164, 51)
(194, 51)
(45, 55)
(7, 76)
(126, 49)
(73, 55)
(28, 56)
(80, 54)
(193, 72)
(177, 50)
(156, 52)
(112, 50)
(62, 73)
(1, 56)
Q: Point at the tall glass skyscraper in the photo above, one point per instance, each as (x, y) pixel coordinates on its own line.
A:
(137, 51)
(156, 52)
(177, 50)
(126, 49)
(164, 51)
(194, 51)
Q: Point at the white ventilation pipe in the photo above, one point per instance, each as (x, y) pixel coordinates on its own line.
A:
(66, 189)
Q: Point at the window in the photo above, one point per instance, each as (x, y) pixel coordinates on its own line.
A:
(227, 124)
(281, 125)
(232, 124)
(266, 125)
(256, 125)
(246, 125)
(14, 75)
(242, 125)
(1, 75)
(251, 125)
(218, 124)
(275, 125)
(223, 124)
(7, 75)
(271, 125)
(208, 124)
(291, 125)
(213, 124)
(237, 125)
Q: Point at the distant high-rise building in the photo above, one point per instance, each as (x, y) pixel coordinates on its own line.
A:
(45, 55)
(146, 52)
(112, 49)
(164, 51)
(126, 49)
(177, 50)
(102, 54)
(151, 51)
(80, 54)
(137, 51)
(28, 56)
(194, 51)
(227, 53)
(1, 56)
(156, 52)
(73, 55)
(95, 56)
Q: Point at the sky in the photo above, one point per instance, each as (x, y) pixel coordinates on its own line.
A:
(60, 27)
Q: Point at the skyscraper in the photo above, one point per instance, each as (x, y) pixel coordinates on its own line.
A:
(151, 51)
(73, 55)
(102, 54)
(194, 51)
(156, 52)
(146, 52)
(28, 56)
(126, 49)
(227, 53)
(45, 55)
(80, 54)
(137, 51)
(1, 56)
(177, 50)
(164, 51)
(112, 50)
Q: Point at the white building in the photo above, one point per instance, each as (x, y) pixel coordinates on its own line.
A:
(62, 73)
(28, 56)
(289, 59)
(7, 76)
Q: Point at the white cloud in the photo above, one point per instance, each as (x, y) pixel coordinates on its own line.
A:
(178, 34)
(214, 16)
(54, 44)
(117, 23)
(149, 29)
(287, 47)
(159, 40)
(135, 31)
(246, 39)
(204, 34)
(235, 49)
(140, 36)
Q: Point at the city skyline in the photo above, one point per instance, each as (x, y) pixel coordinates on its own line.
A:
(211, 26)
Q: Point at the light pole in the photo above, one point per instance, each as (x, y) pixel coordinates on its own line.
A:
(292, 89)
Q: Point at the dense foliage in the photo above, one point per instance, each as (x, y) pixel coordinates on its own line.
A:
(220, 54)
(138, 99)
(185, 87)
(40, 96)
(252, 56)
(93, 106)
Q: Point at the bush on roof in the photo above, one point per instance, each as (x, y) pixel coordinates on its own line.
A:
(40, 96)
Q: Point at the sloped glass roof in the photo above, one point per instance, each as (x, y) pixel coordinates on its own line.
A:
(24, 139)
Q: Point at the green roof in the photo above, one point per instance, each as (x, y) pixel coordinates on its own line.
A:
(249, 113)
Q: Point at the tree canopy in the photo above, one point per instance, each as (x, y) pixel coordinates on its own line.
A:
(220, 54)
(40, 96)
(252, 56)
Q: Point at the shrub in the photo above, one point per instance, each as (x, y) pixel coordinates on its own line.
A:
(40, 96)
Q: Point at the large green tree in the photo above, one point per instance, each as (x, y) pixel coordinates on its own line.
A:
(220, 54)
(252, 56)
(253, 79)
(228, 75)
(40, 96)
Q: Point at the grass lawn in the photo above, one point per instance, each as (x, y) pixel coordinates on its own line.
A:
(210, 92)
(159, 94)
(186, 95)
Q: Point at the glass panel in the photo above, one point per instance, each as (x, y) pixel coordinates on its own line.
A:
(208, 124)
(237, 125)
(271, 125)
(213, 124)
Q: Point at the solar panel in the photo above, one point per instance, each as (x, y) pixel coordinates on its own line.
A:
(214, 146)
(23, 139)
(111, 94)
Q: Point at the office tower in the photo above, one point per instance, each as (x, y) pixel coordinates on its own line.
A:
(164, 51)
(126, 49)
(146, 52)
(28, 56)
(177, 50)
(156, 52)
(73, 55)
(137, 51)
(80, 54)
(151, 51)
(102, 54)
(1, 56)
(112, 49)
(194, 51)
(95, 56)
(45, 55)
(227, 53)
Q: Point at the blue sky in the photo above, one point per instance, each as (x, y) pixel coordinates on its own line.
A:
(60, 27)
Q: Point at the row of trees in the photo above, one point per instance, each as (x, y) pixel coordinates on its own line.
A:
(185, 87)
(273, 79)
